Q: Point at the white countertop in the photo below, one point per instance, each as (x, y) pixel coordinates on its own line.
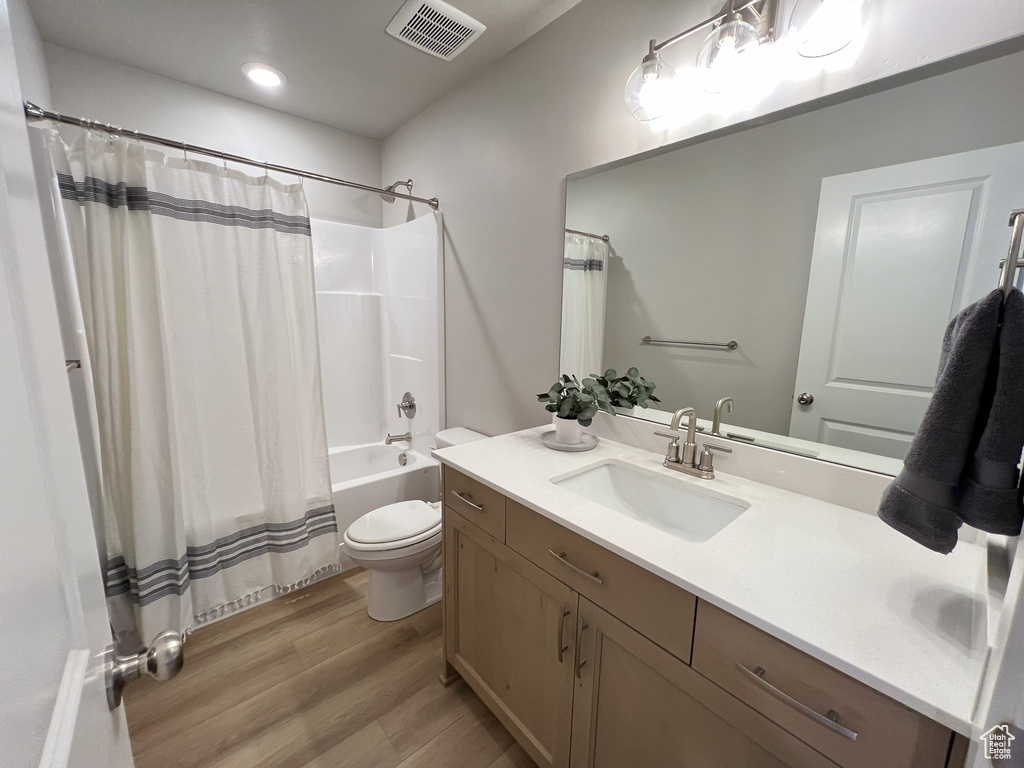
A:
(834, 582)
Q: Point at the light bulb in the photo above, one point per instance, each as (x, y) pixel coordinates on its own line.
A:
(263, 74)
(724, 52)
(650, 90)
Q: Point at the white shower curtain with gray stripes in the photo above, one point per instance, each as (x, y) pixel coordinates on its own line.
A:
(197, 333)
(584, 294)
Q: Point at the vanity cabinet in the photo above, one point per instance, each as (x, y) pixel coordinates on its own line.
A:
(635, 704)
(660, 610)
(850, 722)
(509, 631)
(591, 661)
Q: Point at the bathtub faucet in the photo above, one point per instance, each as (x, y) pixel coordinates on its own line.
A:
(407, 437)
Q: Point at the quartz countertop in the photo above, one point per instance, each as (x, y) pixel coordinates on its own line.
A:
(834, 582)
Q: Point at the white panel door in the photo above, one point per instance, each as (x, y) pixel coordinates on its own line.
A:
(898, 252)
(53, 621)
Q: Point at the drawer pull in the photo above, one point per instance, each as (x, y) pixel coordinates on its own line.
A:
(562, 647)
(467, 500)
(594, 577)
(830, 720)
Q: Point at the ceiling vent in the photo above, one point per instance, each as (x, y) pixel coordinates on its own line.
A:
(435, 27)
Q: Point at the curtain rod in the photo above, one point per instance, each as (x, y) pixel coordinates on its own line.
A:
(34, 112)
(588, 234)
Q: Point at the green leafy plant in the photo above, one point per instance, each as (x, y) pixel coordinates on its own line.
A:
(570, 398)
(629, 390)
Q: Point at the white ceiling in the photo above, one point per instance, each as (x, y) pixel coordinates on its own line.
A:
(342, 69)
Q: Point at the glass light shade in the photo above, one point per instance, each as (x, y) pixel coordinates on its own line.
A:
(722, 56)
(650, 90)
(824, 27)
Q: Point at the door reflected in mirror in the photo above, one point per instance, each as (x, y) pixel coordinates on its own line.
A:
(807, 268)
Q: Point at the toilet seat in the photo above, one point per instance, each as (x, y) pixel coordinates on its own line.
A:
(394, 527)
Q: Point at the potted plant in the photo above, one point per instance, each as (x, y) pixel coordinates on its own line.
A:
(629, 391)
(575, 404)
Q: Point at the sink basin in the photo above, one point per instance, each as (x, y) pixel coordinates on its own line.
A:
(672, 506)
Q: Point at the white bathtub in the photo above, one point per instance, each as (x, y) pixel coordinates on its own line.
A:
(369, 476)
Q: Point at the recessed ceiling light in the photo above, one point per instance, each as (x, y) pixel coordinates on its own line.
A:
(263, 74)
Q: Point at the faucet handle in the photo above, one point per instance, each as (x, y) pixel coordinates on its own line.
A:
(722, 448)
(672, 455)
(707, 457)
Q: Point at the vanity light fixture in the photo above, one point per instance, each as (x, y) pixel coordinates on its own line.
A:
(263, 74)
(738, 28)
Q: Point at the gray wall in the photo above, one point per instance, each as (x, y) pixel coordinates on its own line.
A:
(497, 149)
(86, 86)
(28, 54)
(713, 241)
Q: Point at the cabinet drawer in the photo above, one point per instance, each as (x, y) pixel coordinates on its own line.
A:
(476, 502)
(791, 688)
(657, 609)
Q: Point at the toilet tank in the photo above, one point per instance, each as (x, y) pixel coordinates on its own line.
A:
(457, 436)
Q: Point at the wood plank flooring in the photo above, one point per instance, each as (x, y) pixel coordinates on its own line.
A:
(310, 681)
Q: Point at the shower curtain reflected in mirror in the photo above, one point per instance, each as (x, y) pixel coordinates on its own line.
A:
(189, 292)
(584, 287)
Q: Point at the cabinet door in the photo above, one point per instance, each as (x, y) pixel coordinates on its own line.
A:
(509, 633)
(637, 705)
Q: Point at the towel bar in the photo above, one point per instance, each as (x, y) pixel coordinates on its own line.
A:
(730, 345)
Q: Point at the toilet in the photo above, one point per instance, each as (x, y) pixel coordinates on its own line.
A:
(400, 546)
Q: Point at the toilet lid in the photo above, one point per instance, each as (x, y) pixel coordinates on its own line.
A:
(395, 522)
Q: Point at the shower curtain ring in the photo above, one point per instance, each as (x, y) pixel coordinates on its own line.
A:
(184, 148)
(266, 169)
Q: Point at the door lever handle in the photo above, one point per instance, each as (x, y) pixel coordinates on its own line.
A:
(162, 661)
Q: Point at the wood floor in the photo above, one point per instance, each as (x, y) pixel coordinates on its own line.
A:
(310, 681)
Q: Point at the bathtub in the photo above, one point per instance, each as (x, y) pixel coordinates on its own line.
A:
(369, 476)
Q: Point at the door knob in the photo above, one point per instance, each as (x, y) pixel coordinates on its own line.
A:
(162, 660)
(805, 398)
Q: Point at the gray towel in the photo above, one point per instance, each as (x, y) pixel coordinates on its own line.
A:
(989, 498)
(921, 501)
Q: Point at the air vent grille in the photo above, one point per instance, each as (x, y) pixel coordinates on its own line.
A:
(435, 27)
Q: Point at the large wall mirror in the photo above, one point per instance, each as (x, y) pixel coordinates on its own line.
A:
(806, 268)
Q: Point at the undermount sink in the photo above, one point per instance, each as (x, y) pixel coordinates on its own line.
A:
(672, 506)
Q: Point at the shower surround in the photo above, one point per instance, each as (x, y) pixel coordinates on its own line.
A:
(380, 315)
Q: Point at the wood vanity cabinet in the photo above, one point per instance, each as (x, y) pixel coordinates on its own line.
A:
(509, 631)
(635, 704)
(586, 658)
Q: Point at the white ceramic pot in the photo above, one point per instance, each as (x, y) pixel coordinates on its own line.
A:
(568, 431)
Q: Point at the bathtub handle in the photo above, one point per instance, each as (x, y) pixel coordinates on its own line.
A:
(464, 500)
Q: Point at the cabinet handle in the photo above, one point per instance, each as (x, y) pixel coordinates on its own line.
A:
(466, 500)
(580, 661)
(562, 648)
(594, 577)
(830, 720)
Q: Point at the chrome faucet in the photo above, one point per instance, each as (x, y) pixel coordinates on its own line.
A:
(406, 438)
(716, 425)
(686, 460)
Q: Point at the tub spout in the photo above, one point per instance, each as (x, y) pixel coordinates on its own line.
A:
(407, 437)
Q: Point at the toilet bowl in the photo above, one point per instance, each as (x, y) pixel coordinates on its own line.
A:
(400, 547)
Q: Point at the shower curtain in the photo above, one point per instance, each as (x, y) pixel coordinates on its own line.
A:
(197, 321)
(584, 288)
